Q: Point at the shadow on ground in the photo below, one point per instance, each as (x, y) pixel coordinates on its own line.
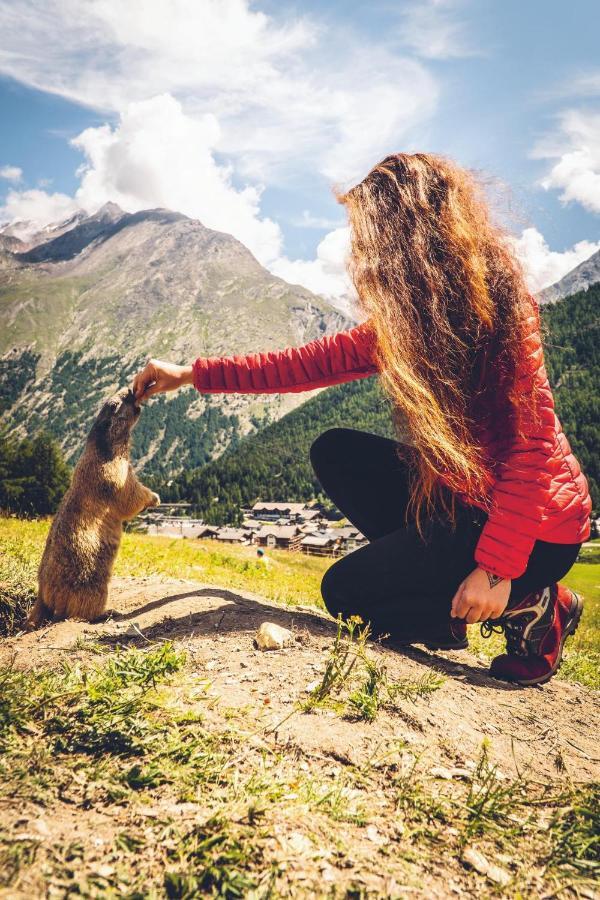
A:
(242, 614)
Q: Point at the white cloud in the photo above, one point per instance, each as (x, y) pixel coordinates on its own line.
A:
(432, 29)
(327, 273)
(289, 97)
(11, 173)
(209, 101)
(308, 220)
(33, 209)
(576, 149)
(159, 156)
(544, 266)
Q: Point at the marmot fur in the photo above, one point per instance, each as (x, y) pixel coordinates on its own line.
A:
(86, 532)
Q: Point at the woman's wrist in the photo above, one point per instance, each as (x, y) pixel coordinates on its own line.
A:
(187, 374)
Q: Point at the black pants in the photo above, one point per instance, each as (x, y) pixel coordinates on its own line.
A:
(400, 582)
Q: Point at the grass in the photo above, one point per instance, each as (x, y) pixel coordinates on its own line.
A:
(171, 794)
(121, 737)
(353, 681)
(291, 579)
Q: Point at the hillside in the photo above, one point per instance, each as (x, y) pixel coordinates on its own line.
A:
(274, 463)
(160, 754)
(83, 303)
(573, 361)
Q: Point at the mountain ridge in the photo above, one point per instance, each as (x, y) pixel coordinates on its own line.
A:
(86, 306)
(578, 279)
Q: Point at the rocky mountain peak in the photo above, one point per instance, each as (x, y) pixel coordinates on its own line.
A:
(109, 211)
(578, 279)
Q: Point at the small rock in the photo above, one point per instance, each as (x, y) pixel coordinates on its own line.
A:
(105, 871)
(299, 843)
(273, 637)
(374, 835)
(481, 864)
(441, 772)
(449, 774)
(328, 873)
(312, 686)
(41, 827)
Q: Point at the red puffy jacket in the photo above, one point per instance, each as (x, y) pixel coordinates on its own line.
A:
(539, 490)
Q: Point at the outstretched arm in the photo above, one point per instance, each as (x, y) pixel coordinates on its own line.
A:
(333, 359)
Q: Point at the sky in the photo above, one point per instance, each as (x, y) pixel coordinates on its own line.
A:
(247, 115)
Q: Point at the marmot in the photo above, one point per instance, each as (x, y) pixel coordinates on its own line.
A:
(86, 532)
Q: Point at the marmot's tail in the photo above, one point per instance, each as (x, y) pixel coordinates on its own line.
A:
(39, 614)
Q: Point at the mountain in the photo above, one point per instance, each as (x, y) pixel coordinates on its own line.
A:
(580, 278)
(274, 464)
(85, 302)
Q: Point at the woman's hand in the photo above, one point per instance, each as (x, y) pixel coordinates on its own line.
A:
(158, 376)
(482, 595)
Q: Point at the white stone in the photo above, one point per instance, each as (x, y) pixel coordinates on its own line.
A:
(481, 864)
(273, 637)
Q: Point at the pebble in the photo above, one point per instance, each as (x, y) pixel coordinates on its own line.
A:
(273, 637)
(481, 864)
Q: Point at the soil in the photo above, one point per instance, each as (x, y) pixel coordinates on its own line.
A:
(526, 727)
(532, 732)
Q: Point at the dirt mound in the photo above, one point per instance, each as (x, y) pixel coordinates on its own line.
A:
(533, 731)
(220, 774)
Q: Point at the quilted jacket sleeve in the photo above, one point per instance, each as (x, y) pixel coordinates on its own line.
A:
(331, 360)
(522, 488)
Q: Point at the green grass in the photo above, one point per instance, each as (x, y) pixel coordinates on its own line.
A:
(205, 800)
(292, 578)
(124, 734)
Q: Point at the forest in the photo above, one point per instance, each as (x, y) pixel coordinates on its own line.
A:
(33, 475)
(274, 463)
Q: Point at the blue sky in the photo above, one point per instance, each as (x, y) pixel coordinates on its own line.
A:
(245, 114)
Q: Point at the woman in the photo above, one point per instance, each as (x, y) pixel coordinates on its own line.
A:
(480, 508)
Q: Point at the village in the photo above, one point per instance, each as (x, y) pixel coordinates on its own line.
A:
(298, 527)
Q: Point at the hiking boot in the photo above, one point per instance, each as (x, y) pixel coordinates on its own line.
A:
(535, 631)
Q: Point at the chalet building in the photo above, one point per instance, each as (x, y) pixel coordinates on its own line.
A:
(252, 525)
(286, 512)
(321, 545)
(284, 537)
(233, 535)
(208, 532)
(351, 538)
(173, 526)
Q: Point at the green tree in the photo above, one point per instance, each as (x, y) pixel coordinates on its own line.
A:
(33, 475)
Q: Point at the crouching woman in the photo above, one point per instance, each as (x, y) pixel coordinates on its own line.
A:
(480, 508)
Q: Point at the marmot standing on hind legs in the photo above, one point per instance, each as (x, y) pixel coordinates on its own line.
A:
(86, 532)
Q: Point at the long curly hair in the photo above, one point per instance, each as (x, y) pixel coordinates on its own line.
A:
(447, 301)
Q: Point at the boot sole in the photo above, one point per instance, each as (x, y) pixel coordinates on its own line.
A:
(459, 645)
(569, 629)
(462, 645)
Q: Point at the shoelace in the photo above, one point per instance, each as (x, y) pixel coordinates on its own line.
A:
(513, 631)
(490, 627)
